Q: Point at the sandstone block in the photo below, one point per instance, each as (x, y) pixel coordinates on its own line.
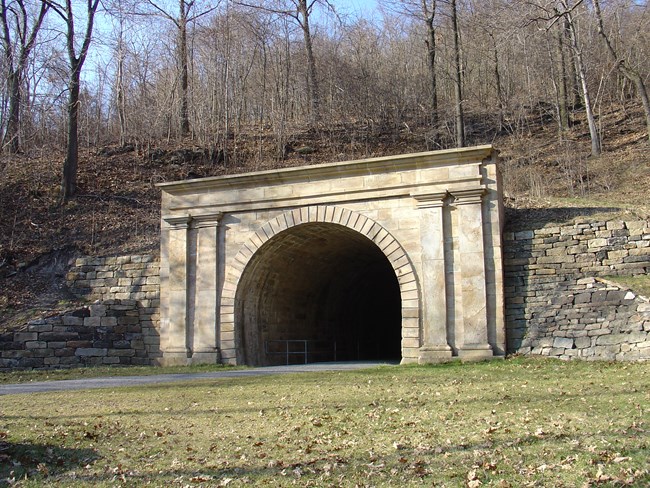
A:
(636, 337)
(611, 339)
(39, 327)
(91, 351)
(525, 234)
(58, 336)
(69, 320)
(25, 336)
(128, 320)
(92, 321)
(121, 352)
(64, 352)
(614, 255)
(69, 360)
(595, 243)
(563, 343)
(615, 225)
(108, 321)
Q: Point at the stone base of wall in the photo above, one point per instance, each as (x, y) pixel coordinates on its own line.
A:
(557, 304)
(592, 320)
(118, 332)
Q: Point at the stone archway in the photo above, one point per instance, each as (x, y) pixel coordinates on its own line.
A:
(322, 284)
(432, 220)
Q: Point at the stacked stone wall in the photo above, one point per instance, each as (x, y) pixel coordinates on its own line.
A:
(111, 332)
(121, 327)
(557, 302)
(122, 278)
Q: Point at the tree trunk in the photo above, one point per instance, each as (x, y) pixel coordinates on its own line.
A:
(593, 130)
(184, 76)
(574, 77)
(12, 135)
(313, 93)
(431, 56)
(69, 181)
(458, 87)
(497, 82)
(17, 65)
(563, 109)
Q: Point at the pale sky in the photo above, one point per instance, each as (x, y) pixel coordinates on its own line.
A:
(357, 8)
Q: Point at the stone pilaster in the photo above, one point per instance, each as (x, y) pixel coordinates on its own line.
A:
(174, 292)
(204, 328)
(474, 337)
(435, 347)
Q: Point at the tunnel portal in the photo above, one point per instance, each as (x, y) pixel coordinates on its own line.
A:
(390, 258)
(318, 292)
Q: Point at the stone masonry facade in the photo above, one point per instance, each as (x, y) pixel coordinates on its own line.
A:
(557, 302)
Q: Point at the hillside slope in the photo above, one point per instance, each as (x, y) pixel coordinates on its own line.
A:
(117, 209)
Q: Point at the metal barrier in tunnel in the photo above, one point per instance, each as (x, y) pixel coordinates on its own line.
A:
(310, 350)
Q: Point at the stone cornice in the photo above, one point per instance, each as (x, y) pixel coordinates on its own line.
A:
(469, 195)
(177, 222)
(333, 170)
(206, 220)
(430, 200)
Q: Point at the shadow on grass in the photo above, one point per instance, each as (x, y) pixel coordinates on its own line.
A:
(19, 461)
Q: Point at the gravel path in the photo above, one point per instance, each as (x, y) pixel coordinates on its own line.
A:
(119, 381)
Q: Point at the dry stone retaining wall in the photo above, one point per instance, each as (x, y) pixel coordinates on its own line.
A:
(556, 304)
(120, 327)
(107, 332)
(122, 277)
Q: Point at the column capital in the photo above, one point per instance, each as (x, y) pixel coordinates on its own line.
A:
(469, 195)
(177, 222)
(430, 199)
(206, 220)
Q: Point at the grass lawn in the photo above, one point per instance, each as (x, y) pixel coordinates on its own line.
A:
(513, 423)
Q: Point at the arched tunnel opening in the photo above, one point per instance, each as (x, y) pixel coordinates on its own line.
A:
(318, 292)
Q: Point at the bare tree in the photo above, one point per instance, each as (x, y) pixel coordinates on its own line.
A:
(16, 54)
(300, 11)
(186, 14)
(424, 11)
(458, 78)
(119, 12)
(563, 11)
(76, 61)
(561, 82)
(567, 12)
(623, 66)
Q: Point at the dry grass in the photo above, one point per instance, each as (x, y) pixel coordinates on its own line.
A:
(509, 423)
(640, 284)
